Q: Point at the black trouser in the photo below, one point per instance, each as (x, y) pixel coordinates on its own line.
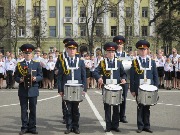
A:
(64, 110)
(9, 78)
(114, 123)
(143, 116)
(28, 123)
(72, 115)
(122, 114)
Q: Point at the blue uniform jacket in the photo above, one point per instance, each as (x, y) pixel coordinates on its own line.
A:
(117, 74)
(33, 91)
(79, 74)
(135, 77)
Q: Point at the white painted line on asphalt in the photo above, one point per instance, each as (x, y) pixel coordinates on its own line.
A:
(98, 116)
(46, 91)
(135, 100)
(171, 91)
(40, 100)
(9, 105)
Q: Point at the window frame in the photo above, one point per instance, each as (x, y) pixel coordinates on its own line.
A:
(54, 30)
(52, 13)
(145, 12)
(113, 31)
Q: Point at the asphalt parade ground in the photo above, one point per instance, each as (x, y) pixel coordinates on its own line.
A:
(165, 116)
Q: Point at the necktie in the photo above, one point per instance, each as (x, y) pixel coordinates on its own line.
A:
(28, 64)
(143, 63)
(110, 63)
(72, 63)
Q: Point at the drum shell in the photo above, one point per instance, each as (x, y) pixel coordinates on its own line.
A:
(112, 97)
(147, 97)
(73, 93)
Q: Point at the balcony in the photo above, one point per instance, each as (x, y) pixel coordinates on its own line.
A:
(82, 19)
(67, 20)
(99, 20)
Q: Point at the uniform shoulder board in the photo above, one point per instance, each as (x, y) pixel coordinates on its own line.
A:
(118, 59)
(34, 60)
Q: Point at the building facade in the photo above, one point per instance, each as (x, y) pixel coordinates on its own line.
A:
(45, 23)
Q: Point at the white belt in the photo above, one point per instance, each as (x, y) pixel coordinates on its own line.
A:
(111, 81)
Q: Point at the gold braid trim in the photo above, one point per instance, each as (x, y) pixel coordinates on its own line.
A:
(136, 65)
(103, 65)
(22, 71)
(66, 71)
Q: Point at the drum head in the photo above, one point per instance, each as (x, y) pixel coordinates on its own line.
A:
(113, 87)
(148, 87)
(69, 84)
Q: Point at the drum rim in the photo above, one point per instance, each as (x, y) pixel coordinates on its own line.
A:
(148, 91)
(69, 84)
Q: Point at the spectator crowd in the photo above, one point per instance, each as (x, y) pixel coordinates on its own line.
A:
(168, 67)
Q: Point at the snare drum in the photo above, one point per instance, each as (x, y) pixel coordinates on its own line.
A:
(112, 94)
(73, 92)
(147, 94)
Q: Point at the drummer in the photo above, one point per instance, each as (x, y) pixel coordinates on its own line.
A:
(120, 40)
(137, 77)
(111, 61)
(63, 56)
(72, 108)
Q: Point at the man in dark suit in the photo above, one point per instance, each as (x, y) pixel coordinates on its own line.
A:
(28, 73)
(61, 57)
(119, 76)
(120, 40)
(136, 79)
(64, 75)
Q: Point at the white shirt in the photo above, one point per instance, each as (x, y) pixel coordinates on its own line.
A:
(50, 65)
(2, 66)
(168, 67)
(177, 66)
(43, 62)
(87, 63)
(9, 65)
(161, 62)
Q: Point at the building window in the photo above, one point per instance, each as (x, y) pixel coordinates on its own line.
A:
(67, 11)
(52, 11)
(1, 12)
(36, 30)
(128, 12)
(144, 11)
(21, 31)
(68, 31)
(82, 30)
(99, 31)
(21, 11)
(144, 31)
(82, 12)
(52, 31)
(129, 30)
(36, 11)
(114, 12)
(113, 30)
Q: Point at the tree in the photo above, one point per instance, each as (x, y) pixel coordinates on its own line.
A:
(167, 22)
(18, 24)
(4, 21)
(39, 26)
(93, 12)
